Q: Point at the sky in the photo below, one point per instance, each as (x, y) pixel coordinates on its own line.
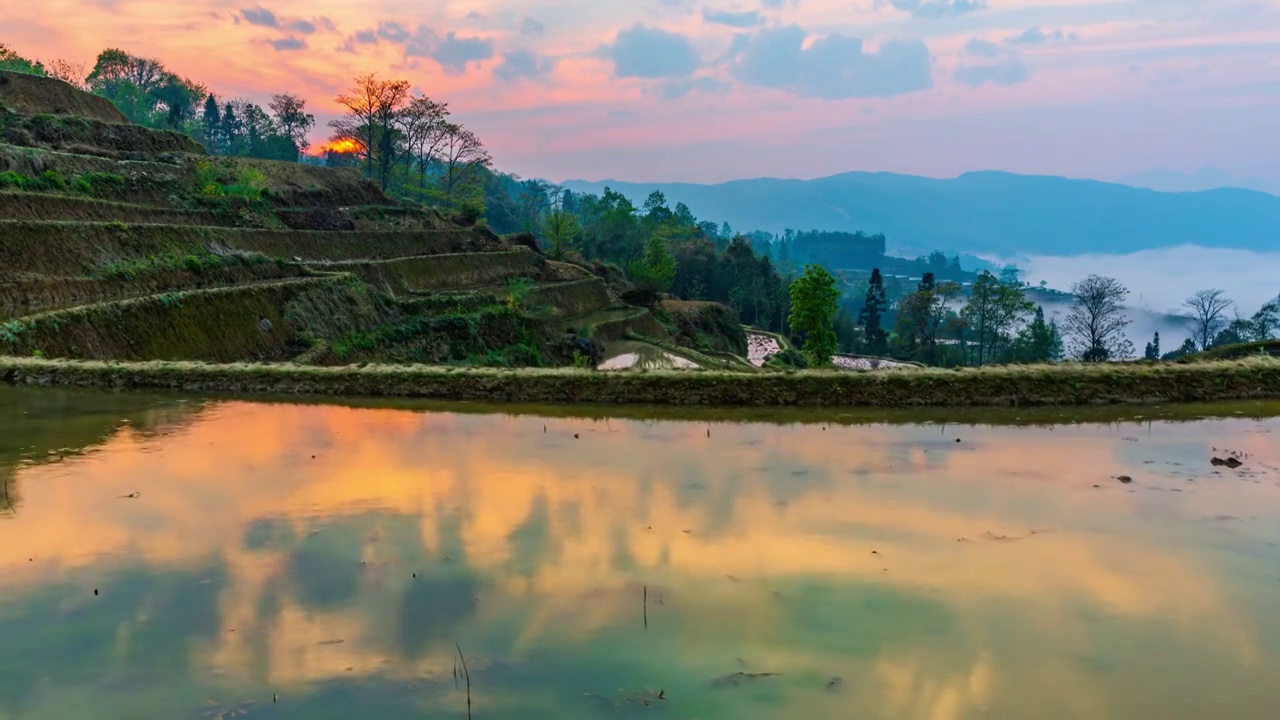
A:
(714, 90)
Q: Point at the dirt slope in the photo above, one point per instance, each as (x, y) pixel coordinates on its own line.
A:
(34, 95)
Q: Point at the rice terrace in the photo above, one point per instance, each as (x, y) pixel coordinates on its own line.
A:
(312, 407)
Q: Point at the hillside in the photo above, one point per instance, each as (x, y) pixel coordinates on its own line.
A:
(983, 212)
(118, 242)
(1207, 178)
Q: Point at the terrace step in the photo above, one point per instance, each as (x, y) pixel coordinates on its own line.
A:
(59, 248)
(449, 271)
(259, 320)
(55, 207)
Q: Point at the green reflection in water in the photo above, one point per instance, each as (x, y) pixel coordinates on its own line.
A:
(644, 568)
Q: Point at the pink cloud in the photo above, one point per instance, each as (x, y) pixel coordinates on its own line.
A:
(565, 112)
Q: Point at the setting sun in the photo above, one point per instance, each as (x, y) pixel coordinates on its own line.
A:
(343, 146)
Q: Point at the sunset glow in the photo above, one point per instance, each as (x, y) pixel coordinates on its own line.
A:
(661, 90)
(342, 147)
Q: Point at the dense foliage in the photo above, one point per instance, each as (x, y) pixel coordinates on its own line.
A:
(813, 308)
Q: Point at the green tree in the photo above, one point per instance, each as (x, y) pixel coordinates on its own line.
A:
(657, 269)
(655, 208)
(814, 302)
(994, 310)
(1188, 347)
(920, 318)
(848, 338)
(10, 60)
(872, 310)
(560, 227)
(211, 124)
(292, 119)
(231, 134)
(1153, 348)
(1239, 330)
(1038, 342)
(1266, 321)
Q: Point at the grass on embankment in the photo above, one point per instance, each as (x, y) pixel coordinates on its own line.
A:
(1236, 351)
(73, 248)
(992, 386)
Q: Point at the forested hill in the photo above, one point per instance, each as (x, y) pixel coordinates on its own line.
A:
(983, 212)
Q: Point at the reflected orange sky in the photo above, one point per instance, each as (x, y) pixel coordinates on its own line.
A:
(1007, 518)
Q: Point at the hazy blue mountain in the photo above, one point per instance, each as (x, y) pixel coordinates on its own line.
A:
(983, 212)
(1208, 178)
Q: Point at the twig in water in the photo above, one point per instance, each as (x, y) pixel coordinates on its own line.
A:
(467, 674)
(646, 607)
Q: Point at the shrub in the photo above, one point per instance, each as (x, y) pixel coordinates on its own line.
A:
(468, 211)
(250, 184)
(518, 291)
(51, 180)
(208, 179)
(99, 184)
(789, 358)
(12, 180)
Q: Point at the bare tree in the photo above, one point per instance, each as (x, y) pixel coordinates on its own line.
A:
(372, 107)
(71, 73)
(536, 198)
(395, 94)
(1096, 323)
(422, 123)
(464, 159)
(1208, 315)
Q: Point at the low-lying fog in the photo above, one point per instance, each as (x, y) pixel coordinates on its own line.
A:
(1160, 280)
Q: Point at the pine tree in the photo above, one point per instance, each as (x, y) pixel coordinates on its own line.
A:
(1153, 348)
(1038, 342)
(872, 310)
(229, 135)
(212, 125)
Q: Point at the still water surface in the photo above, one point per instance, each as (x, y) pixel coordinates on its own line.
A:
(171, 558)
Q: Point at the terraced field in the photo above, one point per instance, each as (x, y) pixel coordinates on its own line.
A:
(122, 243)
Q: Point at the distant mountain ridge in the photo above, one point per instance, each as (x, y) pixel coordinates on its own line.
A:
(982, 212)
(1208, 178)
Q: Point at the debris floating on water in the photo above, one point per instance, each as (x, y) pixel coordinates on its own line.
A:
(735, 679)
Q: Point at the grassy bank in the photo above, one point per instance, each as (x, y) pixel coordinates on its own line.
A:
(1001, 386)
(63, 248)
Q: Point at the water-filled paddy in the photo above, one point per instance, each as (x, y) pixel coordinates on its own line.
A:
(334, 559)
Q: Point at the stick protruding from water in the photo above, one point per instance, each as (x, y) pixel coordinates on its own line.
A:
(467, 675)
